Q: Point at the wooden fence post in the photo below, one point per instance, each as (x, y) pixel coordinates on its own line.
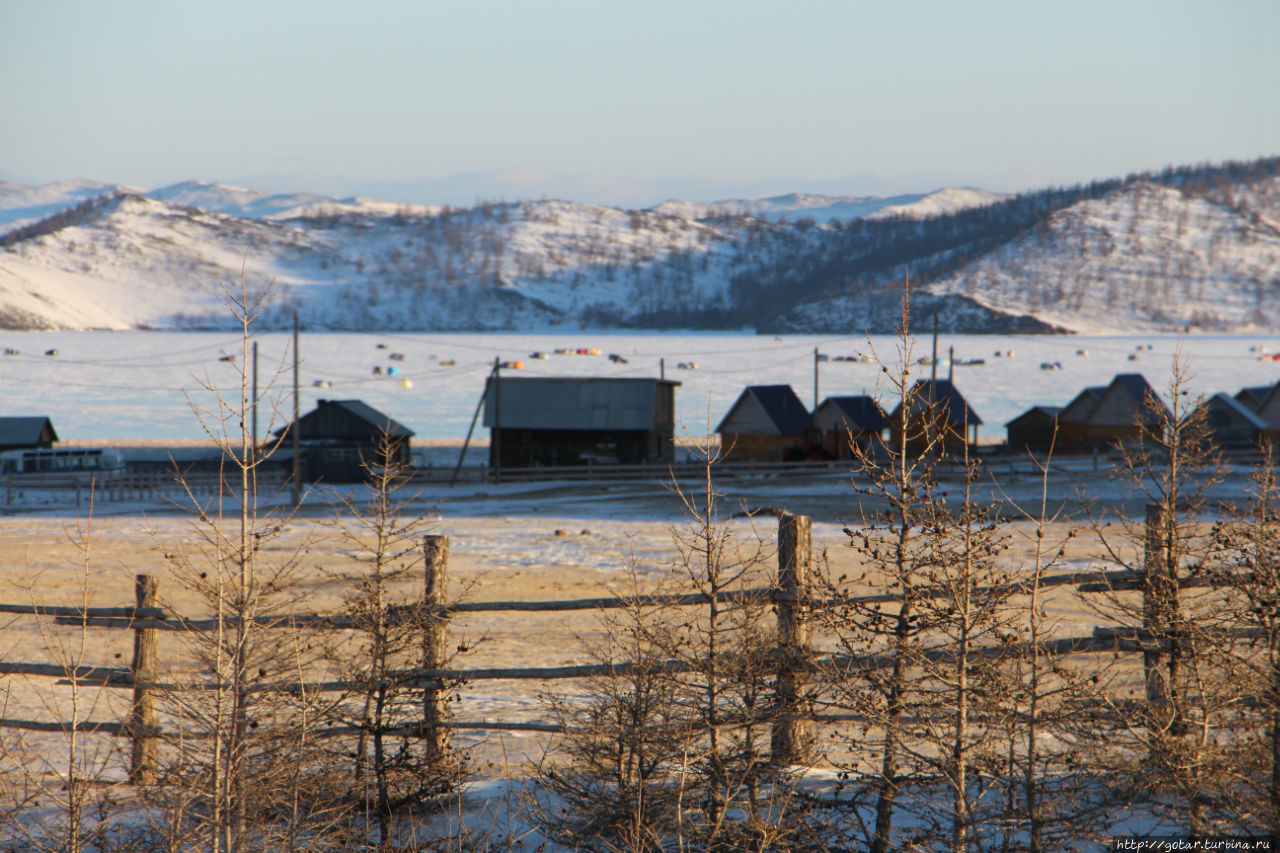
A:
(143, 722)
(435, 638)
(792, 733)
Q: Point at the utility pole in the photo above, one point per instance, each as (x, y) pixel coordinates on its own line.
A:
(297, 427)
(951, 363)
(497, 420)
(815, 377)
(933, 377)
(255, 395)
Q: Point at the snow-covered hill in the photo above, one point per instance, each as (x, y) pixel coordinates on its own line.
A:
(1143, 258)
(1195, 248)
(21, 204)
(826, 208)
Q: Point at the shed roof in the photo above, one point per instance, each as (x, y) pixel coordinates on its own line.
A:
(779, 405)
(1046, 412)
(944, 395)
(860, 412)
(578, 403)
(346, 419)
(27, 431)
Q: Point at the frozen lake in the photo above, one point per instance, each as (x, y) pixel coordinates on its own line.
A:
(142, 385)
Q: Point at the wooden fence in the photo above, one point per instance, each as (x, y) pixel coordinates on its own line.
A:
(794, 659)
(147, 485)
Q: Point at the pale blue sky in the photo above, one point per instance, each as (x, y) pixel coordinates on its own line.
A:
(629, 103)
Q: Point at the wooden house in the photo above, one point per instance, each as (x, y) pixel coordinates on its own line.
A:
(339, 437)
(26, 433)
(1034, 431)
(1128, 411)
(558, 421)
(856, 419)
(769, 423)
(936, 413)
(1231, 423)
(1072, 418)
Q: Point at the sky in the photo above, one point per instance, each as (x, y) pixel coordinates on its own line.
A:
(630, 103)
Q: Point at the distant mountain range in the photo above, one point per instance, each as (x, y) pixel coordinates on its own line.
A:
(1196, 247)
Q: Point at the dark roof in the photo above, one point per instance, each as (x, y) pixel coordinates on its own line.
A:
(859, 411)
(941, 393)
(579, 402)
(1254, 396)
(25, 431)
(1047, 412)
(342, 419)
(781, 406)
(1082, 405)
(1124, 403)
(1236, 409)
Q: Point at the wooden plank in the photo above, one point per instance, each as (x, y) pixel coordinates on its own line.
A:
(77, 613)
(96, 674)
(85, 726)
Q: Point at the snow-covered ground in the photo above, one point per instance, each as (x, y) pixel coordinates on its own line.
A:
(142, 385)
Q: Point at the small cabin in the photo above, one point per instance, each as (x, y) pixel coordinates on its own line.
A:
(852, 420)
(1072, 418)
(1230, 423)
(1129, 411)
(936, 414)
(26, 433)
(769, 423)
(1035, 430)
(567, 421)
(339, 438)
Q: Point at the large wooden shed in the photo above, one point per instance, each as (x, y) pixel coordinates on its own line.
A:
(768, 423)
(339, 437)
(558, 421)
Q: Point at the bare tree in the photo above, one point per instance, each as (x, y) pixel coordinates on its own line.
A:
(247, 753)
(394, 769)
(1172, 465)
(1246, 567)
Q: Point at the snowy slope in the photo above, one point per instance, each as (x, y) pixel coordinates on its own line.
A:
(940, 203)
(825, 208)
(22, 204)
(1148, 258)
(256, 204)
